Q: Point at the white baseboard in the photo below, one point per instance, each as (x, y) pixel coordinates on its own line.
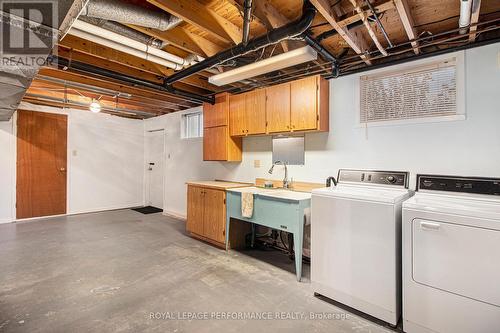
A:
(175, 215)
(106, 208)
(2, 221)
(89, 211)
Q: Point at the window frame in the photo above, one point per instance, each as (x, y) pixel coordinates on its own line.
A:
(185, 123)
(412, 67)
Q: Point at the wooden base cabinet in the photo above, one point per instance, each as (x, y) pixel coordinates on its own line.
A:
(206, 217)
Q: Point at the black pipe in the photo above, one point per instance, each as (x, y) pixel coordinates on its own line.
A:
(274, 36)
(333, 32)
(379, 23)
(129, 79)
(324, 53)
(247, 10)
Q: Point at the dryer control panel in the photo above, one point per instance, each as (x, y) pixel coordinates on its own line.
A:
(386, 178)
(475, 185)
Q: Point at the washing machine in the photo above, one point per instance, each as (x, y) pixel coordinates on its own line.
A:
(451, 256)
(356, 241)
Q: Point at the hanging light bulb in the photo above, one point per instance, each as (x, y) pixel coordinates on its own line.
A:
(95, 106)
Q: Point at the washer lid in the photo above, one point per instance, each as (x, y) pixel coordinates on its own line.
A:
(368, 193)
(472, 206)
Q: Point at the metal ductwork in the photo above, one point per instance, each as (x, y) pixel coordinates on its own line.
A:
(247, 11)
(124, 31)
(20, 65)
(116, 10)
(289, 31)
(128, 45)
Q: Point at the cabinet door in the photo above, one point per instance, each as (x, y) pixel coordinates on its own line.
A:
(195, 205)
(237, 116)
(278, 108)
(303, 105)
(215, 143)
(217, 114)
(214, 215)
(255, 106)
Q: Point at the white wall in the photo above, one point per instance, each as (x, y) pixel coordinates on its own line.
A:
(469, 147)
(105, 162)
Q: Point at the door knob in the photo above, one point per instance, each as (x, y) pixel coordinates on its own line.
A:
(62, 169)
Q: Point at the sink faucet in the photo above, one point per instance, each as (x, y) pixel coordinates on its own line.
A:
(286, 183)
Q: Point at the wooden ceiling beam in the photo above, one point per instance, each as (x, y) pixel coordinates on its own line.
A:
(138, 100)
(183, 39)
(383, 7)
(356, 42)
(77, 77)
(407, 20)
(200, 16)
(363, 16)
(71, 95)
(269, 14)
(474, 19)
(73, 46)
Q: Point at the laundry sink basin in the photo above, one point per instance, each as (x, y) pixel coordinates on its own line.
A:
(277, 193)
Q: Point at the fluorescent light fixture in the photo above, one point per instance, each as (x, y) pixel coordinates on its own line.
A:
(287, 59)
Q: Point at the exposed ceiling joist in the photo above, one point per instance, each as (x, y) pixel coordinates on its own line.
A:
(356, 42)
(68, 75)
(474, 19)
(363, 16)
(199, 15)
(183, 39)
(73, 47)
(407, 21)
(383, 7)
(274, 19)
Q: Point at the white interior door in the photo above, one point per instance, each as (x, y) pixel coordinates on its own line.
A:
(155, 158)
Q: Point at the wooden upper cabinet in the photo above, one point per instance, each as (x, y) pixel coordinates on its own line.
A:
(214, 143)
(255, 107)
(237, 115)
(278, 108)
(218, 145)
(217, 114)
(304, 104)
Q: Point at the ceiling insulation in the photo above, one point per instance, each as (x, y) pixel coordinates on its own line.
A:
(22, 56)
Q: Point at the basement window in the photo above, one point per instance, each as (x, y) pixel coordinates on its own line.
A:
(421, 93)
(192, 125)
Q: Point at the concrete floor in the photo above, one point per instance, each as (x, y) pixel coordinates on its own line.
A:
(116, 271)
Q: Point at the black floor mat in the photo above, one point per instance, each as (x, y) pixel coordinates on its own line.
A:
(148, 210)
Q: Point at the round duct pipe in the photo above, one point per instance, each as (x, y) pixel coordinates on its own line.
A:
(116, 10)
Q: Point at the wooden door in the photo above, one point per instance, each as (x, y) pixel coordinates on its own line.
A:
(41, 164)
(303, 105)
(278, 108)
(237, 115)
(255, 107)
(215, 143)
(195, 205)
(214, 215)
(217, 114)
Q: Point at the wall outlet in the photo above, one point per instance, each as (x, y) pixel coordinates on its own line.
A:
(256, 163)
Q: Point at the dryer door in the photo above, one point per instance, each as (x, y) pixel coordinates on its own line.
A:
(460, 259)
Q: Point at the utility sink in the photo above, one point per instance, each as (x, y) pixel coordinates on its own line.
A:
(278, 193)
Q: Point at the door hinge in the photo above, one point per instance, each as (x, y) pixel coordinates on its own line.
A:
(317, 117)
(224, 201)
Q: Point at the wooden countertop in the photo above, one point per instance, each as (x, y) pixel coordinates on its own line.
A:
(218, 184)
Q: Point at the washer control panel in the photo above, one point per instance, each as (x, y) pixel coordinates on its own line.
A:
(387, 178)
(475, 185)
